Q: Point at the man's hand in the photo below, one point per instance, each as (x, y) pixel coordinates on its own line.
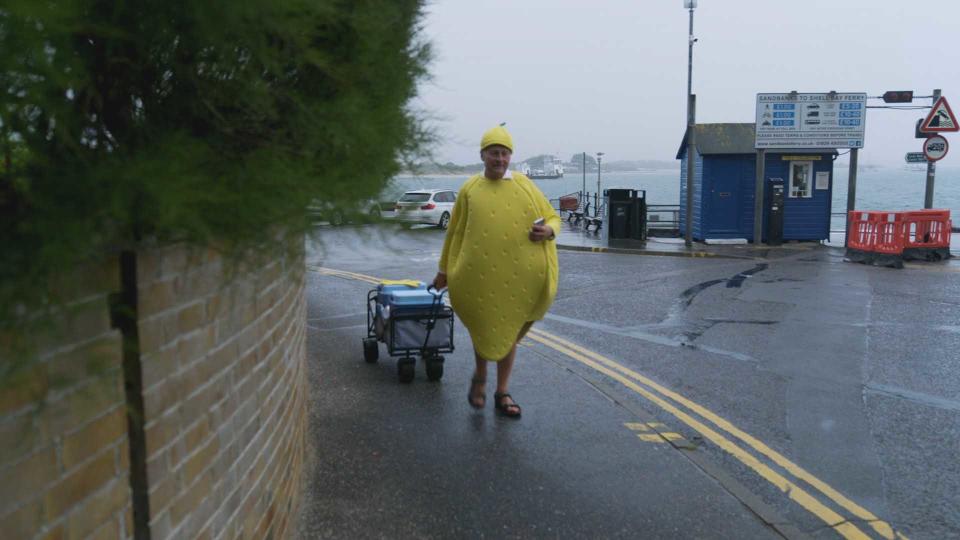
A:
(440, 281)
(540, 233)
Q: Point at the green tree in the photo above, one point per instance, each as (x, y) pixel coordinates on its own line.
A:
(178, 120)
(577, 160)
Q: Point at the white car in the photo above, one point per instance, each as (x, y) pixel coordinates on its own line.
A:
(430, 206)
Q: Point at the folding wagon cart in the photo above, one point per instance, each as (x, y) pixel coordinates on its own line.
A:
(412, 320)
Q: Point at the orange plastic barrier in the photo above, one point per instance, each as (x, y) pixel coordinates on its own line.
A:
(927, 229)
(861, 231)
(887, 238)
(889, 227)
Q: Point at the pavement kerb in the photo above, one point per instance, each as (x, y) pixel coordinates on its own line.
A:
(626, 251)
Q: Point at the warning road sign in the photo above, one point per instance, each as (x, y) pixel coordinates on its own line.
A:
(935, 147)
(940, 119)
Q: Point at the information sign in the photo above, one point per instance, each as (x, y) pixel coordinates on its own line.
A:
(915, 157)
(823, 180)
(935, 148)
(815, 121)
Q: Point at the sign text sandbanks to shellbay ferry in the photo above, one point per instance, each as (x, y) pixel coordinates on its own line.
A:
(821, 121)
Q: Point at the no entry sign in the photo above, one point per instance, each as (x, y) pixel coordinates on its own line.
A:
(935, 147)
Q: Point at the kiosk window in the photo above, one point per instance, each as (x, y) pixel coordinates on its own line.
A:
(801, 179)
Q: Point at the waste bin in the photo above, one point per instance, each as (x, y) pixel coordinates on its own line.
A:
(619, 209)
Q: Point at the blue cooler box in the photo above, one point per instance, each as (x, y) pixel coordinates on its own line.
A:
(404, 313)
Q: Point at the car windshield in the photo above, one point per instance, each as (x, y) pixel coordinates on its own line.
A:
(415, 197)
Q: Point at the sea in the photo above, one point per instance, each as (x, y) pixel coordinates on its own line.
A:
(878, 188)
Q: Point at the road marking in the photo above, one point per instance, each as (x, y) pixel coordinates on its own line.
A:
(620, 373)
(343, 274)
(793, 491)
(878, 525)
(660, 434)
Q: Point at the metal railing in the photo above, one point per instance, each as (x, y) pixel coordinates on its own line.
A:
(662, 219)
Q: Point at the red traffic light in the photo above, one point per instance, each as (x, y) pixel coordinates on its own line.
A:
(898, 96)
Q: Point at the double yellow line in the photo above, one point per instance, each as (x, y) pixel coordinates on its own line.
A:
(678, 405)
(714, 428)
(344, 274)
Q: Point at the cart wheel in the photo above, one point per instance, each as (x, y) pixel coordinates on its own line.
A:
(371, 351)
(434, 368)
(405, 371)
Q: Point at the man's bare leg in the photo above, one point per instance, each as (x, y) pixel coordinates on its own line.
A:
(505, 366)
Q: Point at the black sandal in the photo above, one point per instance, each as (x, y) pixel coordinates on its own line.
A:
(510, 410)
(481, 399)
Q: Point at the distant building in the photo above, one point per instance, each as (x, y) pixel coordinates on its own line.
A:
(725, 181)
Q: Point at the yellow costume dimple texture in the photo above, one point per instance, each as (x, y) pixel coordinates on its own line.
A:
(498, 278)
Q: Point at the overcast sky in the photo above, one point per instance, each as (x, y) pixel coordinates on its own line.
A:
(570, 76)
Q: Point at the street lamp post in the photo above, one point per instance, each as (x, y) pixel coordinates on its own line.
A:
(690, 5)
(691, 129)
(583, 188)
(597, 203)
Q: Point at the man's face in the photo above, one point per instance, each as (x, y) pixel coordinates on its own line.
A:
(496, 159)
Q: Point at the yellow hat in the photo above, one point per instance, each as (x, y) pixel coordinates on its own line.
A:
(497, 135)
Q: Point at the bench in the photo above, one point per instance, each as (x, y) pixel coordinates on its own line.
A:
(596, 219)
(577, 214)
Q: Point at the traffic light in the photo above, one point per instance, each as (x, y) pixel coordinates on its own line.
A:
(898, 96)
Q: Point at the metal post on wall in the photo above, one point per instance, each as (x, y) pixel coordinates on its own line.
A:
(931, 168)
(758, 197)
(691, 166)
(851, 192)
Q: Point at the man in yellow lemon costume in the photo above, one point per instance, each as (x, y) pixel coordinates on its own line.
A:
(499, 262)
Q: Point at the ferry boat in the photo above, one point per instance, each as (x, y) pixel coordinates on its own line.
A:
(552, 169)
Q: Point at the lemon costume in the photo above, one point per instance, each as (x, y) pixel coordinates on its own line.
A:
(497, 277)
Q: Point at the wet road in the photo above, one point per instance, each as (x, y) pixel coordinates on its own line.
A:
(663, 397)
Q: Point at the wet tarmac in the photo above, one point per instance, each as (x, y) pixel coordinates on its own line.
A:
(719, 392)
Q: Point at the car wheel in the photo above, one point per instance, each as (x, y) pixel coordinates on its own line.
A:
(444, 220)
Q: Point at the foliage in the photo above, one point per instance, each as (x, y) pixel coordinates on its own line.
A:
(124, 123)
(577, 160)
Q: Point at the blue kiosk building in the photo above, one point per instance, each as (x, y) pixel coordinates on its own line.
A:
(725, 180)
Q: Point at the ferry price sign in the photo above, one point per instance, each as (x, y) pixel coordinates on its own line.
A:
(814, 121)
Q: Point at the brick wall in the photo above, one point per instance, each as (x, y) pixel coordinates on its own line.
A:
(224, 397)
(224, 393)
(64, 458)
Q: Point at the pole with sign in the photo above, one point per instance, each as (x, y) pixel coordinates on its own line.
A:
(940, 120)
(931, 165)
